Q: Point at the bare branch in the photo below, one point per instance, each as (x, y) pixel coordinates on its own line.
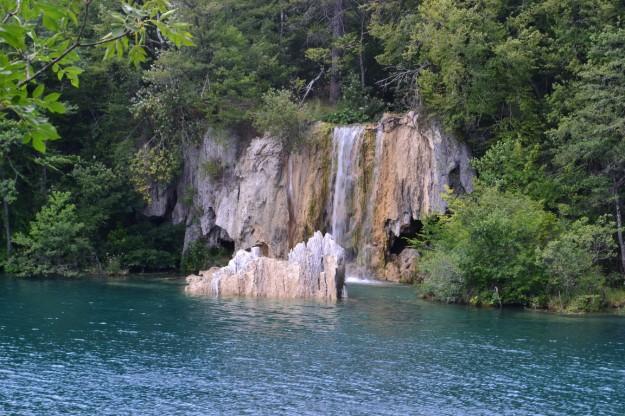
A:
(310, 85)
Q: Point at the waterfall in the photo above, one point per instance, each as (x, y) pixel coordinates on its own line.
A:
(344, 140)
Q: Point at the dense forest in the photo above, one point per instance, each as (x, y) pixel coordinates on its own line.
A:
(536, 88)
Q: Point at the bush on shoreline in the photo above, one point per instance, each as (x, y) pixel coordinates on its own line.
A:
(499, 247)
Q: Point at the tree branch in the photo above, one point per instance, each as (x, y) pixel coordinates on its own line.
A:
(103, 41)
(77, 44)
(14, 12)
(310, 85)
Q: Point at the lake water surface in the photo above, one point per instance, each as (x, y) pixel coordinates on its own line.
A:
(142, 347)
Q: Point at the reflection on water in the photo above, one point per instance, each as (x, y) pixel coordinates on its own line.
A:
(133, 346)
(358, 280)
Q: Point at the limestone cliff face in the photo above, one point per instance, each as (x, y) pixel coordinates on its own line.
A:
(416, 165)
(368, 185)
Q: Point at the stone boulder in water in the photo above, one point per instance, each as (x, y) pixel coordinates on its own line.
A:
(314, 270)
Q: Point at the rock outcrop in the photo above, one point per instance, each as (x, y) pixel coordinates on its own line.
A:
(368, 184)
(402, 267)
(313, 270)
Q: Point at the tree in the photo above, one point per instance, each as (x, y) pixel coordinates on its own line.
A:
(589, 140)
(337, 28)
(55, 243)
(9, 142)
(43, 45)
(510, 165)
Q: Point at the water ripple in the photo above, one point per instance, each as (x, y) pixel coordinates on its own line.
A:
(144, 348)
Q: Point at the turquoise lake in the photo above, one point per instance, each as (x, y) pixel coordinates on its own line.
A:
(142, 347)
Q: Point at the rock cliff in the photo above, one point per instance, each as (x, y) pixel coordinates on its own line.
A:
(369, 185)
(313, 270)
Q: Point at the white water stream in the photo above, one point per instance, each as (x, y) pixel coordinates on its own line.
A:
(344, 139)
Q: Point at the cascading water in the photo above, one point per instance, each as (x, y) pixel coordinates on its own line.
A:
(354, 194)
(345, 140)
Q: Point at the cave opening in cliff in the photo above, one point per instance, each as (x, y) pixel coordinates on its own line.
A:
(227, 245)
(219, 238)
(455, 182)
(397, 244)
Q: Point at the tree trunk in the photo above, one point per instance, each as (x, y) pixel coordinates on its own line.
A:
(619, 225)
(361, 57)
(337, 31)
(44, 180)
(7, 225)
(281, 25)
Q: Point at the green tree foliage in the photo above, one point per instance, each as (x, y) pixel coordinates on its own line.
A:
(509, 227)
(572, 259)
(443, 278)
(497, 246)
(510, 165)
(55, 244)
(44, 46)
(589, 137)
(487, 68)
(38, 36)
(144, 247)
(95, 187)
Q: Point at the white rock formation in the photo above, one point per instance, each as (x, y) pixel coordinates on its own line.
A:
(314, 270)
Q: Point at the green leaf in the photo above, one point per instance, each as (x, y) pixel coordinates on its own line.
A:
(50, 23)
(137, 55)
(57, 107)
(39, 145)
(38, 91)
(52, 97)
(13, 35)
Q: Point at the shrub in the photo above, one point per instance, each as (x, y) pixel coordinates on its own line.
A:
(490, 238)
(443, 279)
(150, 260)
(55, 243)
(346, 116)
(615, 297)
(113, 266)
(497, 246)
(586, 303)
(357, 104)
(146, 246)
(213, 169)
(281, 117)
(572, 259)
(151, 166)
(200, 257)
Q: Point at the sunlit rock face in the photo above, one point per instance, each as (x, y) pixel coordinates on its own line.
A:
(313, 270)
(369, 185)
